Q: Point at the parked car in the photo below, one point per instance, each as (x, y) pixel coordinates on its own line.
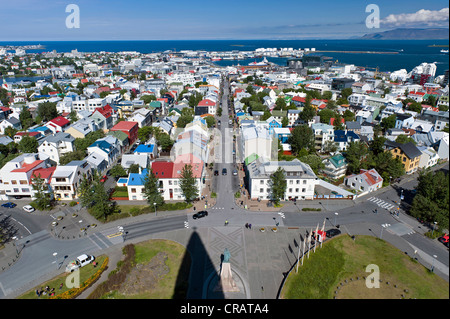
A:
(332, 232)
(444, 239)
(200, 214)
(224, 171)
(216, 173)
(235, 172)
(9, 205)
(104, 178)
(81, 261)
(28, 208)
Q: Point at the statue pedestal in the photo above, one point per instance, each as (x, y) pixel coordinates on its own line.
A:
(226, 282)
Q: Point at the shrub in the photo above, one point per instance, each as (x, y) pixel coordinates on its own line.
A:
(73, 203)
(305, 209)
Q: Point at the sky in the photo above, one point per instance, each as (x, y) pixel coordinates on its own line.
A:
(44, 20)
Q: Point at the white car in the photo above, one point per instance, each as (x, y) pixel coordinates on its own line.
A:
(28, 208)
(81, 261)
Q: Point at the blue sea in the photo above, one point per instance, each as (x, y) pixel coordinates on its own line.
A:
(410, 52)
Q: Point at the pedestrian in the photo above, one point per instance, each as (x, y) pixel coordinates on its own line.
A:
(246, 225)
(60, 286)
(376, 210)
(250, 226)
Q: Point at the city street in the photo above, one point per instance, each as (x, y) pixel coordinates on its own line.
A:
(258, 258)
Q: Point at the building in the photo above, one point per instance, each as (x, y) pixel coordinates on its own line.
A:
(365, 182)
(322, 133)
(67, 178)
(16, 175)
(129, 128)
(335, 166)
(59, 124)
(338, 84)
(408, 154)
(300, 179)
(56, 145)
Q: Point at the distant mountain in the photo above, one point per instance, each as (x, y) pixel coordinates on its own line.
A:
(409, 34)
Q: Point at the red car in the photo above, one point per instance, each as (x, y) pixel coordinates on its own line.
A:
(444, 239)
(104, 178)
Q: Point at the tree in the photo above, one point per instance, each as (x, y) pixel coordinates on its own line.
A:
(118, 171)
(47, 111)
(72, 156)
(210, 121)
(355, 154)
(25, 117)
(302, 137)
(188, 184)
(285, 121)
(431, 203)
(10, 131)
(326, 115)
(42, 197)
(314, 161)
(28, 144)
(345, 93)
(93, 196)
(389, 122)
(403, 139)
(278, 185)
(164, 141)
(280, 104)
(152, 191)
(308, 111)
(133, 169)
(144, 133)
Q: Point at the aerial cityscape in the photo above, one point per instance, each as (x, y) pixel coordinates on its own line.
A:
(270, 161)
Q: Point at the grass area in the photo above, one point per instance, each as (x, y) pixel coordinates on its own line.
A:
(86, 273)
(172, 284)
(342, 259)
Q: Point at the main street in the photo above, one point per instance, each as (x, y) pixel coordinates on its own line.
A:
(258, 259)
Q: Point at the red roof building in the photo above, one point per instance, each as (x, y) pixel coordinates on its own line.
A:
(58, 124)
(162, 169)
(129, 128)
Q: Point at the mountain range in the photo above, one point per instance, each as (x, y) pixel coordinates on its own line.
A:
(409, 34)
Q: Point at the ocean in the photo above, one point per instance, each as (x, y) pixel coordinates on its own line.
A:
(410, 52)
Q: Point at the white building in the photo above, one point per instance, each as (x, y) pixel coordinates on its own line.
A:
(300, 179)
(66, 179)
(56, 145)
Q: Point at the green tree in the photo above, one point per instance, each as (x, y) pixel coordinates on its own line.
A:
(389, 122)
(152, 192)
(210, 121)
(25, 117)
(302, 137)
(42, 196)
(133, 169)
(77, 155)
(278, 185)
(28, 144)
(355, 155)
(188, 184)
(431, 203)
(118, 171)
(93, 196)
(403, 139)
(308, 112)
(47, 111)
(314, 161)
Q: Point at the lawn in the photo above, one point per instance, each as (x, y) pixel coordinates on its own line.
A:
(161, 271)
(86, 272)
(342, 262)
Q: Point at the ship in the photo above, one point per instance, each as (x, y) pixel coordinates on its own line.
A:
(216, 59)
(444, 51)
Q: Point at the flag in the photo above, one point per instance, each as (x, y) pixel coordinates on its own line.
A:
(309, 242)
(323, 233)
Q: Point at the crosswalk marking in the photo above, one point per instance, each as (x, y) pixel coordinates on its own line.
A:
(381, 203)
(186, 224)
(217, 207)
(281, 215)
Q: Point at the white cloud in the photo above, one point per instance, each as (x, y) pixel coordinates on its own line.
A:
(422, 17)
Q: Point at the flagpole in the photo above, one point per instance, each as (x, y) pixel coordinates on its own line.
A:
(323, 232)
(309, 242)
(303, 254)
(298, 257)
(315, 237)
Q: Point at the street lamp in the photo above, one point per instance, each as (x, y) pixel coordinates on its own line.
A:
(432, 263)
(335, 217)
(434, 227)
(382, 227)
(154, 204)
(54, 255)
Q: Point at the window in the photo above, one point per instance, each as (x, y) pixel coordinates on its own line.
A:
(298, 181)
(22, 182)
(296, 190)
(14, 182)
(133, 190)
(304, 182)
(303, 190)
(261, 190)
(261, 182)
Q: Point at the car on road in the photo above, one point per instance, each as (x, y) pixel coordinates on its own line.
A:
(224, 171)
(28, 208)
(332, 232)
(235, 172)
(200, 214)
(9, 205)
(104, 178)
(81, 261)
(444, 239)
(230, 122)
(216, 173)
